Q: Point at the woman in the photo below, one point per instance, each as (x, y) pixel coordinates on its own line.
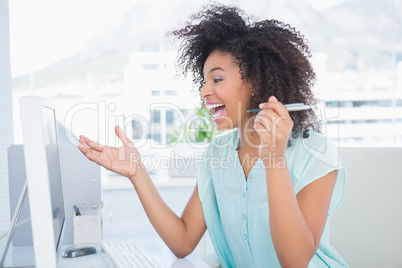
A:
(266, 189)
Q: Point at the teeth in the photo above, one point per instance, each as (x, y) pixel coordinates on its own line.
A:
(209, 107)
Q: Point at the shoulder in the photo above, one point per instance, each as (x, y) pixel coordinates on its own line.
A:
(315, 149)
(313, 144)
(314, 139)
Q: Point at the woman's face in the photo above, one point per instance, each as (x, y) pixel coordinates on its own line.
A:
(225, 93)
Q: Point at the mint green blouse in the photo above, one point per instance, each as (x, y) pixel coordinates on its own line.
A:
(236, 209)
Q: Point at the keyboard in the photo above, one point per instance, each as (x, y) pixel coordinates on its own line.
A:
(125, 254)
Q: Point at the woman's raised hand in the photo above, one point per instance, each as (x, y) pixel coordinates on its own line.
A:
(274, 125)
(124, 160)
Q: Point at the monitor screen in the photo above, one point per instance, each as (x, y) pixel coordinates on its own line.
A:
(52, 155)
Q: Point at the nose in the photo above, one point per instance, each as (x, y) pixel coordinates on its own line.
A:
(205, 91)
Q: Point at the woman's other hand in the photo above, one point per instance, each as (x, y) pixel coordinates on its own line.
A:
(124, 160)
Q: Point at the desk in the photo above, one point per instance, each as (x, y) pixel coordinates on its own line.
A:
(154, 250)
(151, 243)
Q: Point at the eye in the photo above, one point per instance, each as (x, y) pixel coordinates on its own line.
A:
(217, 80)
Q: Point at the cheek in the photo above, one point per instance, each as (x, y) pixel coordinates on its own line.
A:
(237, 105)
(236, 111)
(231, 108)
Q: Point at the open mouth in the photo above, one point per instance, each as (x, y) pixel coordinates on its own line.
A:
(216, 109)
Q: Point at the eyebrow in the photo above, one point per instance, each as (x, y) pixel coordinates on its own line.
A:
(216, 68)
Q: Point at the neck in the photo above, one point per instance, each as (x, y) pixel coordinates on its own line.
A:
(249, 139)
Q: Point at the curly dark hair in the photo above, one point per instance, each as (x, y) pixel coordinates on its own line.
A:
(272, 55)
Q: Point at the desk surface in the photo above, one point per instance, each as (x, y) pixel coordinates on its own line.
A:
(99, 260)
(146, 239)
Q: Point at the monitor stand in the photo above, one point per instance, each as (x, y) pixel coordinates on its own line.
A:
(13, 224)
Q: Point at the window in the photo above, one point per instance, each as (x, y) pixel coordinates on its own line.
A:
(155, 116)
(171, 92)
(137, 129)
(157, 138)
(169, 117)
(151, 66)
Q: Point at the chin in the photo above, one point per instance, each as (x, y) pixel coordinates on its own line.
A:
(222, 126)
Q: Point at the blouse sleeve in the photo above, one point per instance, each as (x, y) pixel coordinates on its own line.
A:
(316, 157)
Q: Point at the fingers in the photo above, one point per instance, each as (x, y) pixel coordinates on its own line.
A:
(263, 120)
(123, 137)
(275, 105)
(89, 153)
(272, 99)
(99, 147)
(274, 111)
(269, 118)
(262, 128)
(91, 144)
(85, 149)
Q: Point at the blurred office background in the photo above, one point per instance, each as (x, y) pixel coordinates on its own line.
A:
(105, 62)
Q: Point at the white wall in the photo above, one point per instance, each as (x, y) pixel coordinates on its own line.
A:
(367, 228)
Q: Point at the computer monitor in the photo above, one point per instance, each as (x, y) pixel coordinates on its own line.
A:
(41, 152)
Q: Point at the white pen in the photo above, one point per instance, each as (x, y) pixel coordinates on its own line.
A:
(292, 107)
